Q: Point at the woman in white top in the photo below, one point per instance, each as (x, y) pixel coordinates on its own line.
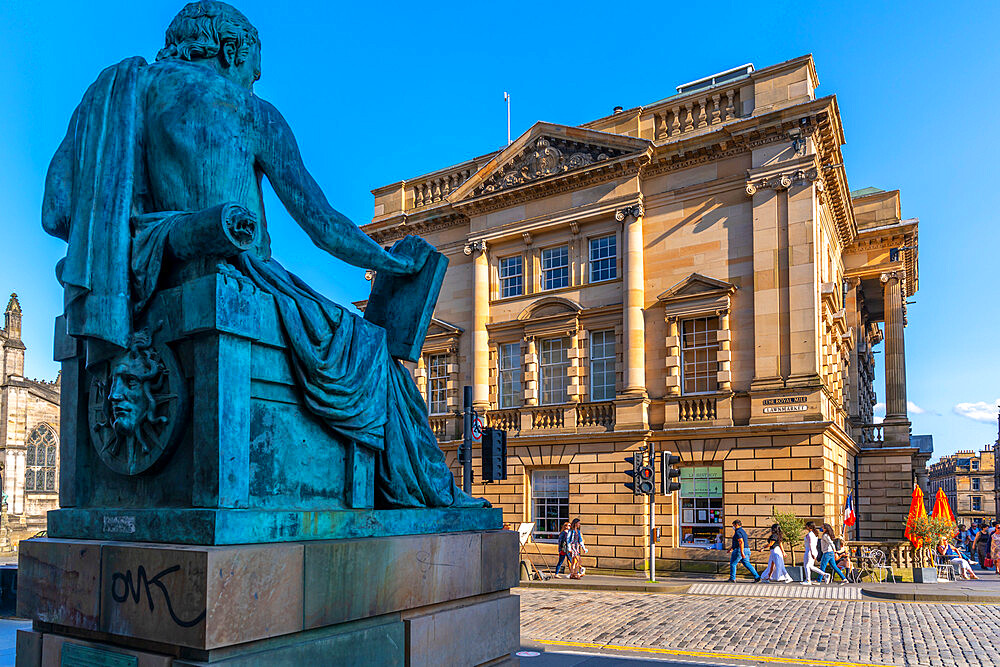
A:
(811, 552)
(829, 557)
(776, 561)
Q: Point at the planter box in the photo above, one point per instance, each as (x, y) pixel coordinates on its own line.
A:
(925, 575)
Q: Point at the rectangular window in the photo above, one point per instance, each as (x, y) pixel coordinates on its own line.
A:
(701, 504)
(437, 384)
(554, 365)
(510, 375)
(511, 276)
(603, 258)
(977, 503)
(699, 355)
(975, 484)
(602, 365)
(975, 464)
(555, 267)
(549, 503)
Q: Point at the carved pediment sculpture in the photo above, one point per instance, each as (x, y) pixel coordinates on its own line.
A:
(544, 157)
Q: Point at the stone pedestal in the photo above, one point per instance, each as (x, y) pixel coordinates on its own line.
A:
(435, 599)
(885, 485)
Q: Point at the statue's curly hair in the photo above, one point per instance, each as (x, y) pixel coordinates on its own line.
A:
(201, 28)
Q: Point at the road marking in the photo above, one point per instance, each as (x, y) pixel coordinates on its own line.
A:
(819, 592)
(712, 655)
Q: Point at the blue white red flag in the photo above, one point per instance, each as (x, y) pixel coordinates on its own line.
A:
(849, 516)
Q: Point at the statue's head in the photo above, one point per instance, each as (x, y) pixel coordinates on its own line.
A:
(133, 375)
(212, 30)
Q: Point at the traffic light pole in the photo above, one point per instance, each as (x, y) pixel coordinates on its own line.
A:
(652, 521)
(467, 441)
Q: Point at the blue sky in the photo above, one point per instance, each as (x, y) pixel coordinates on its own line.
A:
(376, 92)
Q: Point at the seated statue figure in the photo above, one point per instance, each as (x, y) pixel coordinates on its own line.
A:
(153, 151)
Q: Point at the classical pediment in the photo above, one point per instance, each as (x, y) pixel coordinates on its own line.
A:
(550, 307)
(441, 328)
(697, 286)
(547, 152)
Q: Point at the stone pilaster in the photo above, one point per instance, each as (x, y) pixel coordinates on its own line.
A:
(577, 387)
(531, 373)
(635, 325)
(673, 376)
(896, 424)
(480, 316)
(724, 376)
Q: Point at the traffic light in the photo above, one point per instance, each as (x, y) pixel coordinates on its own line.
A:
(636, 462)
(647, 478)
(669, 472)
(494, 454)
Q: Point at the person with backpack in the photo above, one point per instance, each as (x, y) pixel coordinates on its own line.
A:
(576, 549)
(829, 557)
(563, 548)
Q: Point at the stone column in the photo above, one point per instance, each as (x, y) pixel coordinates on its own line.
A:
(635, 326)
(896, 425)
(480, 316)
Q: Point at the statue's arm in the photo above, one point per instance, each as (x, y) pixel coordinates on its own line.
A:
(56, 203)
(332, 231)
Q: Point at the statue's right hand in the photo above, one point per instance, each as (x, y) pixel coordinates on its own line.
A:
(409, 255)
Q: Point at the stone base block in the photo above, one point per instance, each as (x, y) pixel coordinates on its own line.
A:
(229, 526)
(435, 599)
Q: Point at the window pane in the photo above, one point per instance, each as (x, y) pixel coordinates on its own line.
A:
(50, 480)
(699, 355)
(602, 365)
(701, 502)
(603, 258)
(29, 456)
(510, 375)
(437, 384)
(549, 502)
(511, 276)
(555, 267)
(554, 367)
(50, 457)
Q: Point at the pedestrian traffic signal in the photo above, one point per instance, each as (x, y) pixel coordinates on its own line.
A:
(669, 472)
(636, 462)
(494, 453)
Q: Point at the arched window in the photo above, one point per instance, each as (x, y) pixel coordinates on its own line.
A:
(40, 459)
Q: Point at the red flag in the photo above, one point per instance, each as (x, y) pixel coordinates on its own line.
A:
(917, 511)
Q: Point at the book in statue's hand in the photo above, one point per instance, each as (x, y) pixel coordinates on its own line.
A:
(403, 305)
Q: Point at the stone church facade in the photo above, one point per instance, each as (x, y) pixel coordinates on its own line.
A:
(29, 433)
(693, 275)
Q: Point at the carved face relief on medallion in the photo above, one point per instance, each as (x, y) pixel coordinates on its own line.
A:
(136, 406)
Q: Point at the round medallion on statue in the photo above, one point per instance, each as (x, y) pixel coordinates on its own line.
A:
(137, 404)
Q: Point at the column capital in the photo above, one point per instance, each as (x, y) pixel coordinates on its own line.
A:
(475, 246)
(634, 210)
(892, 275)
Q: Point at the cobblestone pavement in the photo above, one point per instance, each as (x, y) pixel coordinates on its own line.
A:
(837, 631)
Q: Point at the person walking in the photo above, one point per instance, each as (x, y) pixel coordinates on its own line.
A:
(563, 548)
(576, 549)
(740, 552)
(776, 560)
(980, 546)
(995, 547)
(829, 557)
(811, 547)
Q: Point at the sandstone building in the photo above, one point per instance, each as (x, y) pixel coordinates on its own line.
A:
(968, 481)
(29, 434)
(693, 275)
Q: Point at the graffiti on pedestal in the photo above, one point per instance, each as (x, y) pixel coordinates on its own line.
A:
(124, 588)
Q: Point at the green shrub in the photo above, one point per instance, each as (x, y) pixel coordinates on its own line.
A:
(792, 528)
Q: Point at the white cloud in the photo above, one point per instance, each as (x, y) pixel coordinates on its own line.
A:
(914, 408)
(879, 408)
(979, 411)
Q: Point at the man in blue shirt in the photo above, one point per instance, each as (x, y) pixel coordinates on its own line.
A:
(740, 552)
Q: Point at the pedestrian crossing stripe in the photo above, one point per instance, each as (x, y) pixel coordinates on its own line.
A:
(817, 592)
(709, 654)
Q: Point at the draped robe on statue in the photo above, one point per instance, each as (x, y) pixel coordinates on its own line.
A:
(340, 361)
